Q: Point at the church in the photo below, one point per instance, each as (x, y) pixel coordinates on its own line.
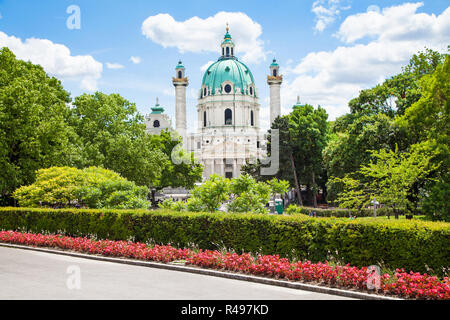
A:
(228, 113)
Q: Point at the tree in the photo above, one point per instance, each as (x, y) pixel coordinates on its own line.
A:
(428, 120)
(373, 122)
(92, 187)
(308, 130)
(185, 172)
(250, 195)
(389, 178)
(34, 132)
(302, 137)
(211, 193)
(113, 136)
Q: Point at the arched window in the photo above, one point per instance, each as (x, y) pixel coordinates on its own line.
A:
(232, 52)
(204, 118)
(251, 91)
(252, 121)
(227, 88)
(180, 74)
(156, 124)
(204, 92)
(274, 72)
(228, 51)
(223, 51)
(228, 117)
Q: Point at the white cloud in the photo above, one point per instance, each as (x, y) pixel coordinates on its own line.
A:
(397, 23)
(204, 67)
(114, 65)
(332, 78)
(205, 35)
(326, 12)
(56, 59)
(135, 60)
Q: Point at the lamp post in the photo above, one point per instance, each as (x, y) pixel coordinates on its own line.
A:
(375, 203)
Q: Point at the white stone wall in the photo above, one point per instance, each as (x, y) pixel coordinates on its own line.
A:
(164, 123)
(180, 110)
(275, 101)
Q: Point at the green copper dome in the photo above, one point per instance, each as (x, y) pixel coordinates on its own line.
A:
(228, 69)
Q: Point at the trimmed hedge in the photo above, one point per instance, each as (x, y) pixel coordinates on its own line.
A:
(413, 245)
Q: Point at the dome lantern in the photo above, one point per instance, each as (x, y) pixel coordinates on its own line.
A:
(227, 46)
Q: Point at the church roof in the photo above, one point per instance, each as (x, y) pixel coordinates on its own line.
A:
(157, 109)
(228, 68)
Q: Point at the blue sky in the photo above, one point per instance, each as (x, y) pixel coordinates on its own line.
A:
(328, 50)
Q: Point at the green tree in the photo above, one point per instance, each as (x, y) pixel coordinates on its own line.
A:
(34, 132)
(389, 178)
(303, 135)
(211, 193)
(308, 129)
(428, 120)
(250, 195)
(113, 136)
(185, 172)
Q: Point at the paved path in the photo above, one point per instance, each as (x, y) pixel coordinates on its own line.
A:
(26, 274)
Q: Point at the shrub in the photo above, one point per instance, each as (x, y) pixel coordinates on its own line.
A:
(92, 187)
(409, 244)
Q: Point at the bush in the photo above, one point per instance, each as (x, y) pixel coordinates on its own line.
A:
(413, 245)
(92, 187)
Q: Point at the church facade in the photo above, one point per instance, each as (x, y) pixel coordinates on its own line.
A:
(228, 113)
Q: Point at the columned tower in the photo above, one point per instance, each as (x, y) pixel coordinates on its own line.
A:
(274, 80)
(180, 81)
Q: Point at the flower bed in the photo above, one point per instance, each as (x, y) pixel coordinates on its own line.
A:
(402, 284)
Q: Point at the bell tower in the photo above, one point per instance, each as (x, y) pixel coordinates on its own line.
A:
(274, 81)
(180, 82)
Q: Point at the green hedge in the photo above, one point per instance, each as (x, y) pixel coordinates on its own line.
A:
(412, 245)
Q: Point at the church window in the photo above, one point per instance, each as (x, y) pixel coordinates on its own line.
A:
(227, 88)
(204, 92)
(251, 91)
(223, 51)
(228, 117)
(232, 51)
(252, 120)
(204, 118)
(156, 124)
(274, 72)
(180, 74)
(228, 51)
